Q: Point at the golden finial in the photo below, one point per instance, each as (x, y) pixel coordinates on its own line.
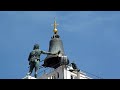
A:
(55, 25)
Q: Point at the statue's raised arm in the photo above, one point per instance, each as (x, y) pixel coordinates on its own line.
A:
(50, 53)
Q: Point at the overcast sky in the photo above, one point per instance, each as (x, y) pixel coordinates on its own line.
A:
(91, 39)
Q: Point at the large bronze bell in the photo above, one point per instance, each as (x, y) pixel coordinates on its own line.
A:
(55, 61)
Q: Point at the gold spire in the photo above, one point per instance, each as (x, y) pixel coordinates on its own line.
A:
(55, 25)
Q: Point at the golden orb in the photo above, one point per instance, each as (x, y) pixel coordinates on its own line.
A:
(55, 30)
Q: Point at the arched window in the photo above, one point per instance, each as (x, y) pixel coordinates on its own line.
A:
(53, 76)
(57, 75)
(71, 77)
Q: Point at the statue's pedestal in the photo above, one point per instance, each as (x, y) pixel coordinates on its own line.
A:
(29, 77)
